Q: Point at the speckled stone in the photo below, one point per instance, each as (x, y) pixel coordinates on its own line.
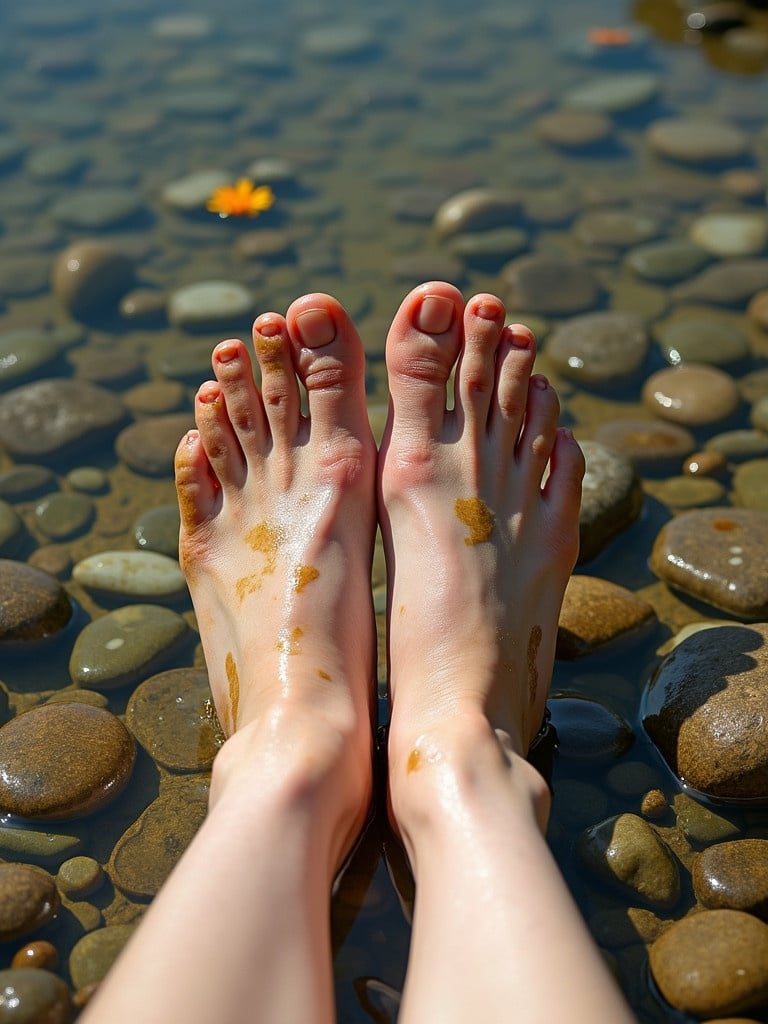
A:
(93, 955)
(704, 709)
(692, 395)
(53, 418)
(599, 348)
(596, 612)
(626, 851)
(728, 283)
(718, 555)
(36, 996)
(653, 447)
(45, 846)
(143, 575)
(126, 645)
(477, 209)
(587, 729)
(33, 605)
(667, 261)
(712, 963)
(171, 715)
(549, 285)
(733, 876)
(78, 877)
(149, 445)
(63, 761)
(28, 900)
(612, 498)
(62, 516)
(699, 340)
(148, 851)
(750, 484)
(700, 824)
(696, 141)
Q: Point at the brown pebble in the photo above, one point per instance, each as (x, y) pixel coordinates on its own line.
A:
(706, 464)
(54, 560)
(37, 954)
(757, 309)
(744, 183)
(654, 804)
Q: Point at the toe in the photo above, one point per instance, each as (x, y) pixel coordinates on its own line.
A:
(217, 436)
(422, 347)
(232, 366)
(197, 488)
(475, 374)
(279, 387)
(537, 437)
(563, 488)
(330, 362)
(516, 354)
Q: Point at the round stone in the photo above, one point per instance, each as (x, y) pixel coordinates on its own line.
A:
(667, 261)
(612, 498)
(59, 162)
(654, 804)
(157, 529)
(573, 129)
(181, 28)
(62, 516)
(587, 729)
(487, 250)
(11, 529)
(338, 42)
(25, 353)
(759, 414)
(24, 276)
(652, 446)
(688, 492)
(412, 268)
(33, 605)
(738, 445)
(706, 463)
(28, 900)
(139, 574)
(89, 277)
(549, 285)
(718, 555)
(63, 761)
(52, 419)
(713, 963)
(476, 210)
(729, 283)
(699, 340)
(144, 307)
(616, 229)
(698, 823)
(613, 94)
(757, 310)
(98, 209)
(210, 304)
(627, 852)
(88, 479)
(171, 715)
(111, 368)
(78, 877)
(148, 446)
(703, 709)
(126, 645)
(35, 996)
(696, 141)
(733, 876)
(193, 190)
(40, 953)
(731, 234)
(599, 348)
(52, 559)
(156, 397)
(693, 395)
(750, 484)
(93, 955)
(266, 246)
(25, 482)
(595, 613)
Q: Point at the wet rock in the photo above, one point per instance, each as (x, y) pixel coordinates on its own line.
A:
(157, 529)
(112, 369)
(339, 42)
(680, 492)
(144, 307)
(475, 210)
(587, 729)
(24, 482)
(51, 559)
(149, 445)
(706, 464)
(88, 479)
(28, 900)
(750, 484)
(713, 963)
(696, 141)
(731, 234)
(36, 996)
(700, 824)
(33, 605)
(757, 310)
(25, 353)
(612, 498)
(652, 447)
(52, 419)
(210, 304)
(63, 761)
(40, 953)
(171, 715)
(193, 190)
(599, 348)
(98, 209)
(148, 851)
(489, 249)
(718, 555)
(181, 28)
(126, 645)
(699, 340)
(730, 283)
(133, 574)
(667, 261)
(626, 851)
(613, 94)
(93, 955)
(759, 415)
(78, 877)
(654, 804)
(11, 529)
(616, 927)
(704, 710)
(573, 129)
(61, 516)
(156, 397)
(738, 445)
(90, 276)
(615, 229)
(596, 612)
(25, 276)
(733, 876)
(693, 395)
(59, 162)
(32, 845)
(549, 285)
(266, 246)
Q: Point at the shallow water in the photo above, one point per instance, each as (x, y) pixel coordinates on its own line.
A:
(438, 99)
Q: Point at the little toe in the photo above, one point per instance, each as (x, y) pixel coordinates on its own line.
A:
(197, 488)
(422, 347)
(514, 364)
(279, 387)
(562, 489)
(232, 366)
(218, 437)
(537, 437)
(476, 372)
(330, 362)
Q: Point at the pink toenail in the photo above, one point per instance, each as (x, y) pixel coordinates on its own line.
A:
(488, 310)
(192, 436)
(268, 329)
(316, 327)
(209, 395)
(226, 352)
(540, 381)
(434, 315)
(520, 336)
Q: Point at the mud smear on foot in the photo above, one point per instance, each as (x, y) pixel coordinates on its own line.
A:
(534, 640)
(323, 675)
(475, 515)
(266, 540)
(233, 678)
(289, 643)
(270, 352)
(303, 575)
(414, 761)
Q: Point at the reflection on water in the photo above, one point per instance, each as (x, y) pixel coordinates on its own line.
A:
(121, 119)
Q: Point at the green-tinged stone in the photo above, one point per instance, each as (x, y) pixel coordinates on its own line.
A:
(22, 842)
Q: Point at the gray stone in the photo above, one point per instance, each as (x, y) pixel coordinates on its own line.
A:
(729, 283)
(475, 210)
(612, 498)
(210, 304)
(193, 190)
(33, 605)
(699, 340)
(573, 129)
(24, 353)
(24, 276)
(181, 28)
(24, 482)
(157, 529)
(696, 141)
(88, 479)
(57, 162)
(549, 285)
(35, 996)
(599, 348)
(667, 261)
(613, 94)
(338, 42)
(587, 729)
(149, 445)
(489, 249)
(98, 209)
(615, 229)
(738, 445)
(731, 234)
(694, 395)
(62, 516)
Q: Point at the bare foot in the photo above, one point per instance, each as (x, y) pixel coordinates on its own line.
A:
(278, 519)
(479, 546)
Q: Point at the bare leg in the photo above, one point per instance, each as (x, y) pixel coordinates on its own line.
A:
(278, 517)
(478, 554)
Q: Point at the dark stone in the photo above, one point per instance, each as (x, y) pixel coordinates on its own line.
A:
(33, 605)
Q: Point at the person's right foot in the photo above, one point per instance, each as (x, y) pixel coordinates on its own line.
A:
(479, 544)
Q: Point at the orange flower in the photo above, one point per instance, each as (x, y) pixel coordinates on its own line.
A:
(241, 199)
(599, 36)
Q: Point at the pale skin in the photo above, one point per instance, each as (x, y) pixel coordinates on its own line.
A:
(278, 517)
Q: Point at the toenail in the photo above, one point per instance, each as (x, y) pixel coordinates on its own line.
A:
(226, 352)
(434, 315)
(520, 336)
(268, 329)
(209, 395)
(488, 310)
(316, 327)
(540, 381)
